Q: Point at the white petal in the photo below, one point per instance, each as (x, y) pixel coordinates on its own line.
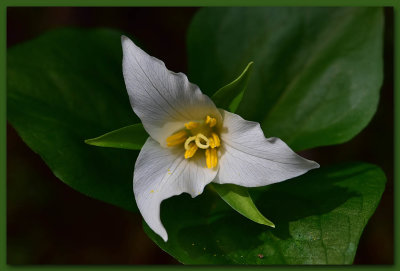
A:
(249, 159)
(162, 99)
(161, 173)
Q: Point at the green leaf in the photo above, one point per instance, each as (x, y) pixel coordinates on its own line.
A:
(319, 219)
(317, 71)
(67, 86)
(230, 96)
(131, 137)
(239, 199)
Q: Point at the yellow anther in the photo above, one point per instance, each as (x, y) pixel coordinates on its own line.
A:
(216, 139)
(211, 121)
(211, 158)
(188, 141)
(191, 151)
(201, 137)
(176, 139)
(191, 125)
(212, 143)
(208, 158)
(214, 157)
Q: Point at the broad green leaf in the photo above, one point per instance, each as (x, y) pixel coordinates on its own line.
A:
(317, 71)
(229, 96)
(131, 137)
(319, 219)
(67, 86)
(239, 199)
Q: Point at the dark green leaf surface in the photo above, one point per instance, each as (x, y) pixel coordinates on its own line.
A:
(131, 137)
(319, 219)
(230, 96)
(67, 86)
(238, 198)
(317, 71)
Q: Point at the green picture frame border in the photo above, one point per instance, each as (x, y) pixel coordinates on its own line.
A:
(118, 3)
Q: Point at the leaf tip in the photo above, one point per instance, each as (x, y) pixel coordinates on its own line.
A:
(268, 223)
(249, 66)
(89, 141)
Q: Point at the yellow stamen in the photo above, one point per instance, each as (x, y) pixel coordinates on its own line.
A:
(214, 157)
(191, 125)
(211, 158)
(217, 141)
(208, 158)
(190, 152)
(205, 139)
(211, 121)
(176, 138)
(193, 140)
(187, 142)
(212, 143)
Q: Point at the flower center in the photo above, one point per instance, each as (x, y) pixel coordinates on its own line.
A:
(198, 135)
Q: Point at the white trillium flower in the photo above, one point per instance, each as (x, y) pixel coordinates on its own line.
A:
(193, 143)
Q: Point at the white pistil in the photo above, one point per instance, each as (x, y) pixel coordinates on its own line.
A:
(188, 141)
(200, 137)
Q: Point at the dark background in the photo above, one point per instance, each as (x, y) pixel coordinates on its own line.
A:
(49, 222)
